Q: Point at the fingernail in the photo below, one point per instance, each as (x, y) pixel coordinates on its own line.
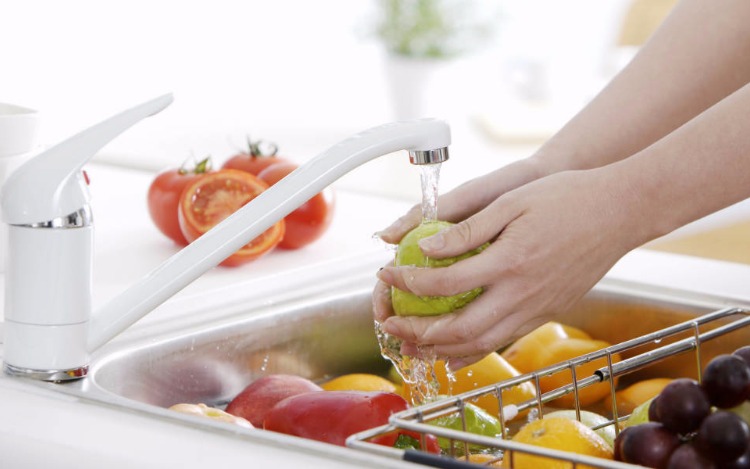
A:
(433, 242)
(385, 276)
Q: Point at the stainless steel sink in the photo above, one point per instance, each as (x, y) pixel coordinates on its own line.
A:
(326, 334)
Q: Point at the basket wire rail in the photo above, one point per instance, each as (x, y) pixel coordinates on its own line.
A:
(640, 353)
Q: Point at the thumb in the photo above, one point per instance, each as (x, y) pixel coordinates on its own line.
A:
(469, 234)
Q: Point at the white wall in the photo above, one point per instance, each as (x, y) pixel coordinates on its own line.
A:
(274, 68)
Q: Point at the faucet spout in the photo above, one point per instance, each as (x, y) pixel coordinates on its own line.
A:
(54, 342)
(425, 136)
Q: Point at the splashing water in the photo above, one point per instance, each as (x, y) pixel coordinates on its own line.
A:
(417, 372)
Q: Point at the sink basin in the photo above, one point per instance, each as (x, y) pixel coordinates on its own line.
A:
(326, 334)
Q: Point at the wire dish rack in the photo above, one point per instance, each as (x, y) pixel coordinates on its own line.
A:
(682, 341)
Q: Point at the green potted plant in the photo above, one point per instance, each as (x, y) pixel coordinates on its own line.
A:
(422, 38)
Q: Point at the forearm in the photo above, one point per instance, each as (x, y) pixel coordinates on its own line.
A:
(696, 58)
(701, 167)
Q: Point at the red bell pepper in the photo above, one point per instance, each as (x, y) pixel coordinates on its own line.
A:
(332, 416)
(407, 439)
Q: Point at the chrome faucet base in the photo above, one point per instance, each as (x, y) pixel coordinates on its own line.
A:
(55, 376)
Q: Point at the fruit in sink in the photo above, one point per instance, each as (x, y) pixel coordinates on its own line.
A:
(568, 349)
(599, 423)
(639, 414)
(559, 434)
(681, 406)
(525, 352)
(360, 382)
(214, 197)
(211, 412)
(408, 253)
(310, 220)
(490, 370)
(477, 421)
(648, 444)
(636, 394)
(726, 380)
(332, 416)
(164, 197)
(262, 394)
(703, 418)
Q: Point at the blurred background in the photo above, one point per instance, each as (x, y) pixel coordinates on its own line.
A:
(505, 74)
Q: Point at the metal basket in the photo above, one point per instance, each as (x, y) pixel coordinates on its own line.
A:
(642, 352)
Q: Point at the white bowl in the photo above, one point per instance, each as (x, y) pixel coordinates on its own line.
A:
(18, 129)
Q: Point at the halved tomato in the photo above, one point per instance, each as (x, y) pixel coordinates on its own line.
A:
(215, 196)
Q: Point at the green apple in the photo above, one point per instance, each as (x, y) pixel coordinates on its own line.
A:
(476, 419)
(639, 414)
(409, 253)
(743, 410)
(591, 420)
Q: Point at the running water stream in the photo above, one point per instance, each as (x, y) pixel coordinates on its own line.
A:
(417, 372)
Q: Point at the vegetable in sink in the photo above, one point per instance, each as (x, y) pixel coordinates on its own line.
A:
(331, 416)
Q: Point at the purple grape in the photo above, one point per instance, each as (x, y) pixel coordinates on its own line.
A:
(648, 444)
(743, 353)
(722, 437)
(681, 406)
(743, 462)
(687, 457)
(726, 380)
(653, 410)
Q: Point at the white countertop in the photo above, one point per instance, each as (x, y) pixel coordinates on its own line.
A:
(40, 426)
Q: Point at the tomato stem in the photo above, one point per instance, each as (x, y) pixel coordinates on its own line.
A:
(261, 148)
(201, 167)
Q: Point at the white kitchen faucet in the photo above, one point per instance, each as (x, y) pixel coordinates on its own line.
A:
(49, 329)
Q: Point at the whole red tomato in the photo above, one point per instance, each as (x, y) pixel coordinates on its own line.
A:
(212, 198)
(259, 156)
(164, 197)
(311, 219)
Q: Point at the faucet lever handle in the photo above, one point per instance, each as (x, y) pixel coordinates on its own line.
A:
(50, 186)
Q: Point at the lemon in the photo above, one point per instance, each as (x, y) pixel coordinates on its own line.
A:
(409, 253)
(591, 420)
(560, 434)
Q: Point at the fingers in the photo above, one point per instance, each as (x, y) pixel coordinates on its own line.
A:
(381, 302)
(466, 235)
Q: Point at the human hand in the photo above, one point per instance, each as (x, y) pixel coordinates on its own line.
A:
(552, 240)
(468, 198)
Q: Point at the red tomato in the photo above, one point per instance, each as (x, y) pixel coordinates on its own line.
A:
(258, 157)
(215, 196)
(164, 197)
(311, 219)
(331, 416)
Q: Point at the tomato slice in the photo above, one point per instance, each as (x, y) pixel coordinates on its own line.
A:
(215, 196)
